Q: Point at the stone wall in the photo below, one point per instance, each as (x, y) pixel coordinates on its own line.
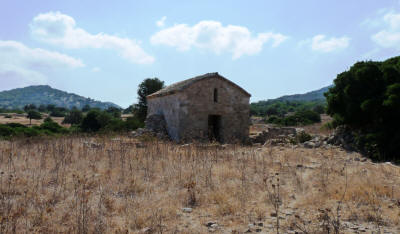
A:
(198, 104)
(168, 106)
(186, 112)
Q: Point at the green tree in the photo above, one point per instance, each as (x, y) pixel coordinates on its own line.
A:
(147, 87)
(29, 107)
(95, 120)
(86, 108)
(32, 114)
(366, 99)
(75, 116)
(114, 111)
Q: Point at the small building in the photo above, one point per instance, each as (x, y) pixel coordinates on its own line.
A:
(206, 107)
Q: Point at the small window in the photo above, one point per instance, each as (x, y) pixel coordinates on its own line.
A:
(215, 95)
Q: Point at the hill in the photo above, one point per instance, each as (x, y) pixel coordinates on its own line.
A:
(44, 95)
(315, 95)
(290, 103)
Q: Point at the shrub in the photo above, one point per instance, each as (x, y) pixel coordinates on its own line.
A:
(304, 117)
(75, 116)
(53, 127)
(366, 98)
(6, 131)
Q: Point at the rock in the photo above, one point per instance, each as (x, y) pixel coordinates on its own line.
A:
(309, 144)
(283, 134)
(187, 210)
(146, 230)
(210, 223)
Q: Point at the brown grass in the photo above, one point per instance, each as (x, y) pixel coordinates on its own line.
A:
(21, 119)
(120, 185)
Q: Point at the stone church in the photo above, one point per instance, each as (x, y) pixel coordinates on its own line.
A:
(206, 107)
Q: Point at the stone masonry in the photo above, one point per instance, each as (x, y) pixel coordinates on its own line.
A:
(207, 107)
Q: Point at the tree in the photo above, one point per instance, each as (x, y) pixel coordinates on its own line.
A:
(29, 107)
(86, 108)
(95, 120)
(147, 87)
(75, 116)
(366, 99)
(32, 114)
(114, 111)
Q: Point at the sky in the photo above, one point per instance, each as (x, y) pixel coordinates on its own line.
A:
(104, 49)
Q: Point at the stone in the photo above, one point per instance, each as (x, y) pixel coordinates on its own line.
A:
(309, 144)
(187, 210)
(210, 223)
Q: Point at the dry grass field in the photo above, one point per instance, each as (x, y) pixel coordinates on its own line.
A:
(122, 185)
(21, 118)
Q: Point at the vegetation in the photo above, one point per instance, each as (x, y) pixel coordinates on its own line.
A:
(147, 87)
(42, 95)
(75, 116)
(281, 108)
(304, 117)
(119, 185)
(33, 114)
(316, 95)
(367, 99)
(95, 121)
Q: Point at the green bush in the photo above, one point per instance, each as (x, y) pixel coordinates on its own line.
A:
(304, 117)
(6, 131)
(366, 98)
(75, 116)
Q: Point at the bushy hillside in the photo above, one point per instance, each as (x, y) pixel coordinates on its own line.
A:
(314, 100)
(315, 95)
(44, 95)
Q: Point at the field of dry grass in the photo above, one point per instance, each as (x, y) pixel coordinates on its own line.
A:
(21, 119)
(122, 185)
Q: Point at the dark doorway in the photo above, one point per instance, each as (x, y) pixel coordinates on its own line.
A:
(214, 127)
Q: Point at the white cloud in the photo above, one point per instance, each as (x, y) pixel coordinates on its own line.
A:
(322, 44)
(213, 36)
(96, 69)
(389, 37)
(22, 65)
(161, 23)
(60, 29)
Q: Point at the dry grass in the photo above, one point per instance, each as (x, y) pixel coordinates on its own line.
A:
(102, 185)
(21, 119)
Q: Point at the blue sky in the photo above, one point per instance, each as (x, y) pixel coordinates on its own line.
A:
(104, 49)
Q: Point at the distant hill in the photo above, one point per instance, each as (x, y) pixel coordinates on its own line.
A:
(44, 94)
(289, 103)
(315, 95)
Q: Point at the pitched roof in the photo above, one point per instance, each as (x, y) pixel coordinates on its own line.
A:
(179, 86)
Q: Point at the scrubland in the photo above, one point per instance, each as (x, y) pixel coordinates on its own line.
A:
(124, 185)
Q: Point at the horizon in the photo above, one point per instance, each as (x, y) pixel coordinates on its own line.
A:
(270, 49)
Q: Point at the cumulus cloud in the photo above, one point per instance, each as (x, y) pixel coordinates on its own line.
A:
(60, 29)
(21, 65)
(321, 43)
(389, 37)
(161, 22)
(213, 36)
